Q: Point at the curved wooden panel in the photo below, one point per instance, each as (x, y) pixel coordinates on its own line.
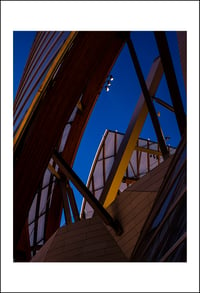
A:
(82, 71)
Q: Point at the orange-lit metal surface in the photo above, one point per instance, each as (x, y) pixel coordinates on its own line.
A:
(130, 138)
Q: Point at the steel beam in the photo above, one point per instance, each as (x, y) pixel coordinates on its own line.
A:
(72, 176)
(130, 138)
(66, 191)
(148, 151)
(95, 83)
(67, 212)
(53, 171)
(162, 103)
(148, 100)
(72, 201)
(148, 163)
(164, 189)
(37, 210)
(171, 80)
(34, 142)
(182, 45)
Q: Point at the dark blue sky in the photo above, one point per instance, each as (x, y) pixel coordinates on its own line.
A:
(114, 109)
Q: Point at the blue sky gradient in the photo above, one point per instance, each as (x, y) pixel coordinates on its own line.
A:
(114, 109)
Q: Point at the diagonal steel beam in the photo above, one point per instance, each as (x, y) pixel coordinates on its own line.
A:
(66, 207)
(182, 45)
(162, 103)
(73, 177)
(148, 100)
(130, 138)
(171, 79)
(72, 201)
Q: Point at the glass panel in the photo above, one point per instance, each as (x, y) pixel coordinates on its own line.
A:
(41, 242)
(40, 230)
(109, 145)
(153, 159)
(98, 175)
(31, 233)
(31, 215)
(46, 177)
(142, 143)
(122, 187)
(64, 137)
(100, 155)
(52, 189)
(108, 165)
(88, 211)
(130, 172)
(133, 161)
(119, 140)
(90, 186)
(73, 115)
(153, 146)
(43, 200)
(143, 164)
(98, 193)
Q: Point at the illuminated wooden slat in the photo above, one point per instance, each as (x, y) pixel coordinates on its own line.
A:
(148, 150)
(53, 171)
(35, 66)
(94, 53)
(30, 60)
(43, 87)
(31, 87)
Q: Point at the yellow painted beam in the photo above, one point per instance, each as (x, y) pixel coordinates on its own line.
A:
(42, 88)
(53, 171)
(130, 138)
(150, 151)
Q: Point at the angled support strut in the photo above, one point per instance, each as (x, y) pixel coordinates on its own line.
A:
(171, 80)
(99, 209)
(148, 100)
